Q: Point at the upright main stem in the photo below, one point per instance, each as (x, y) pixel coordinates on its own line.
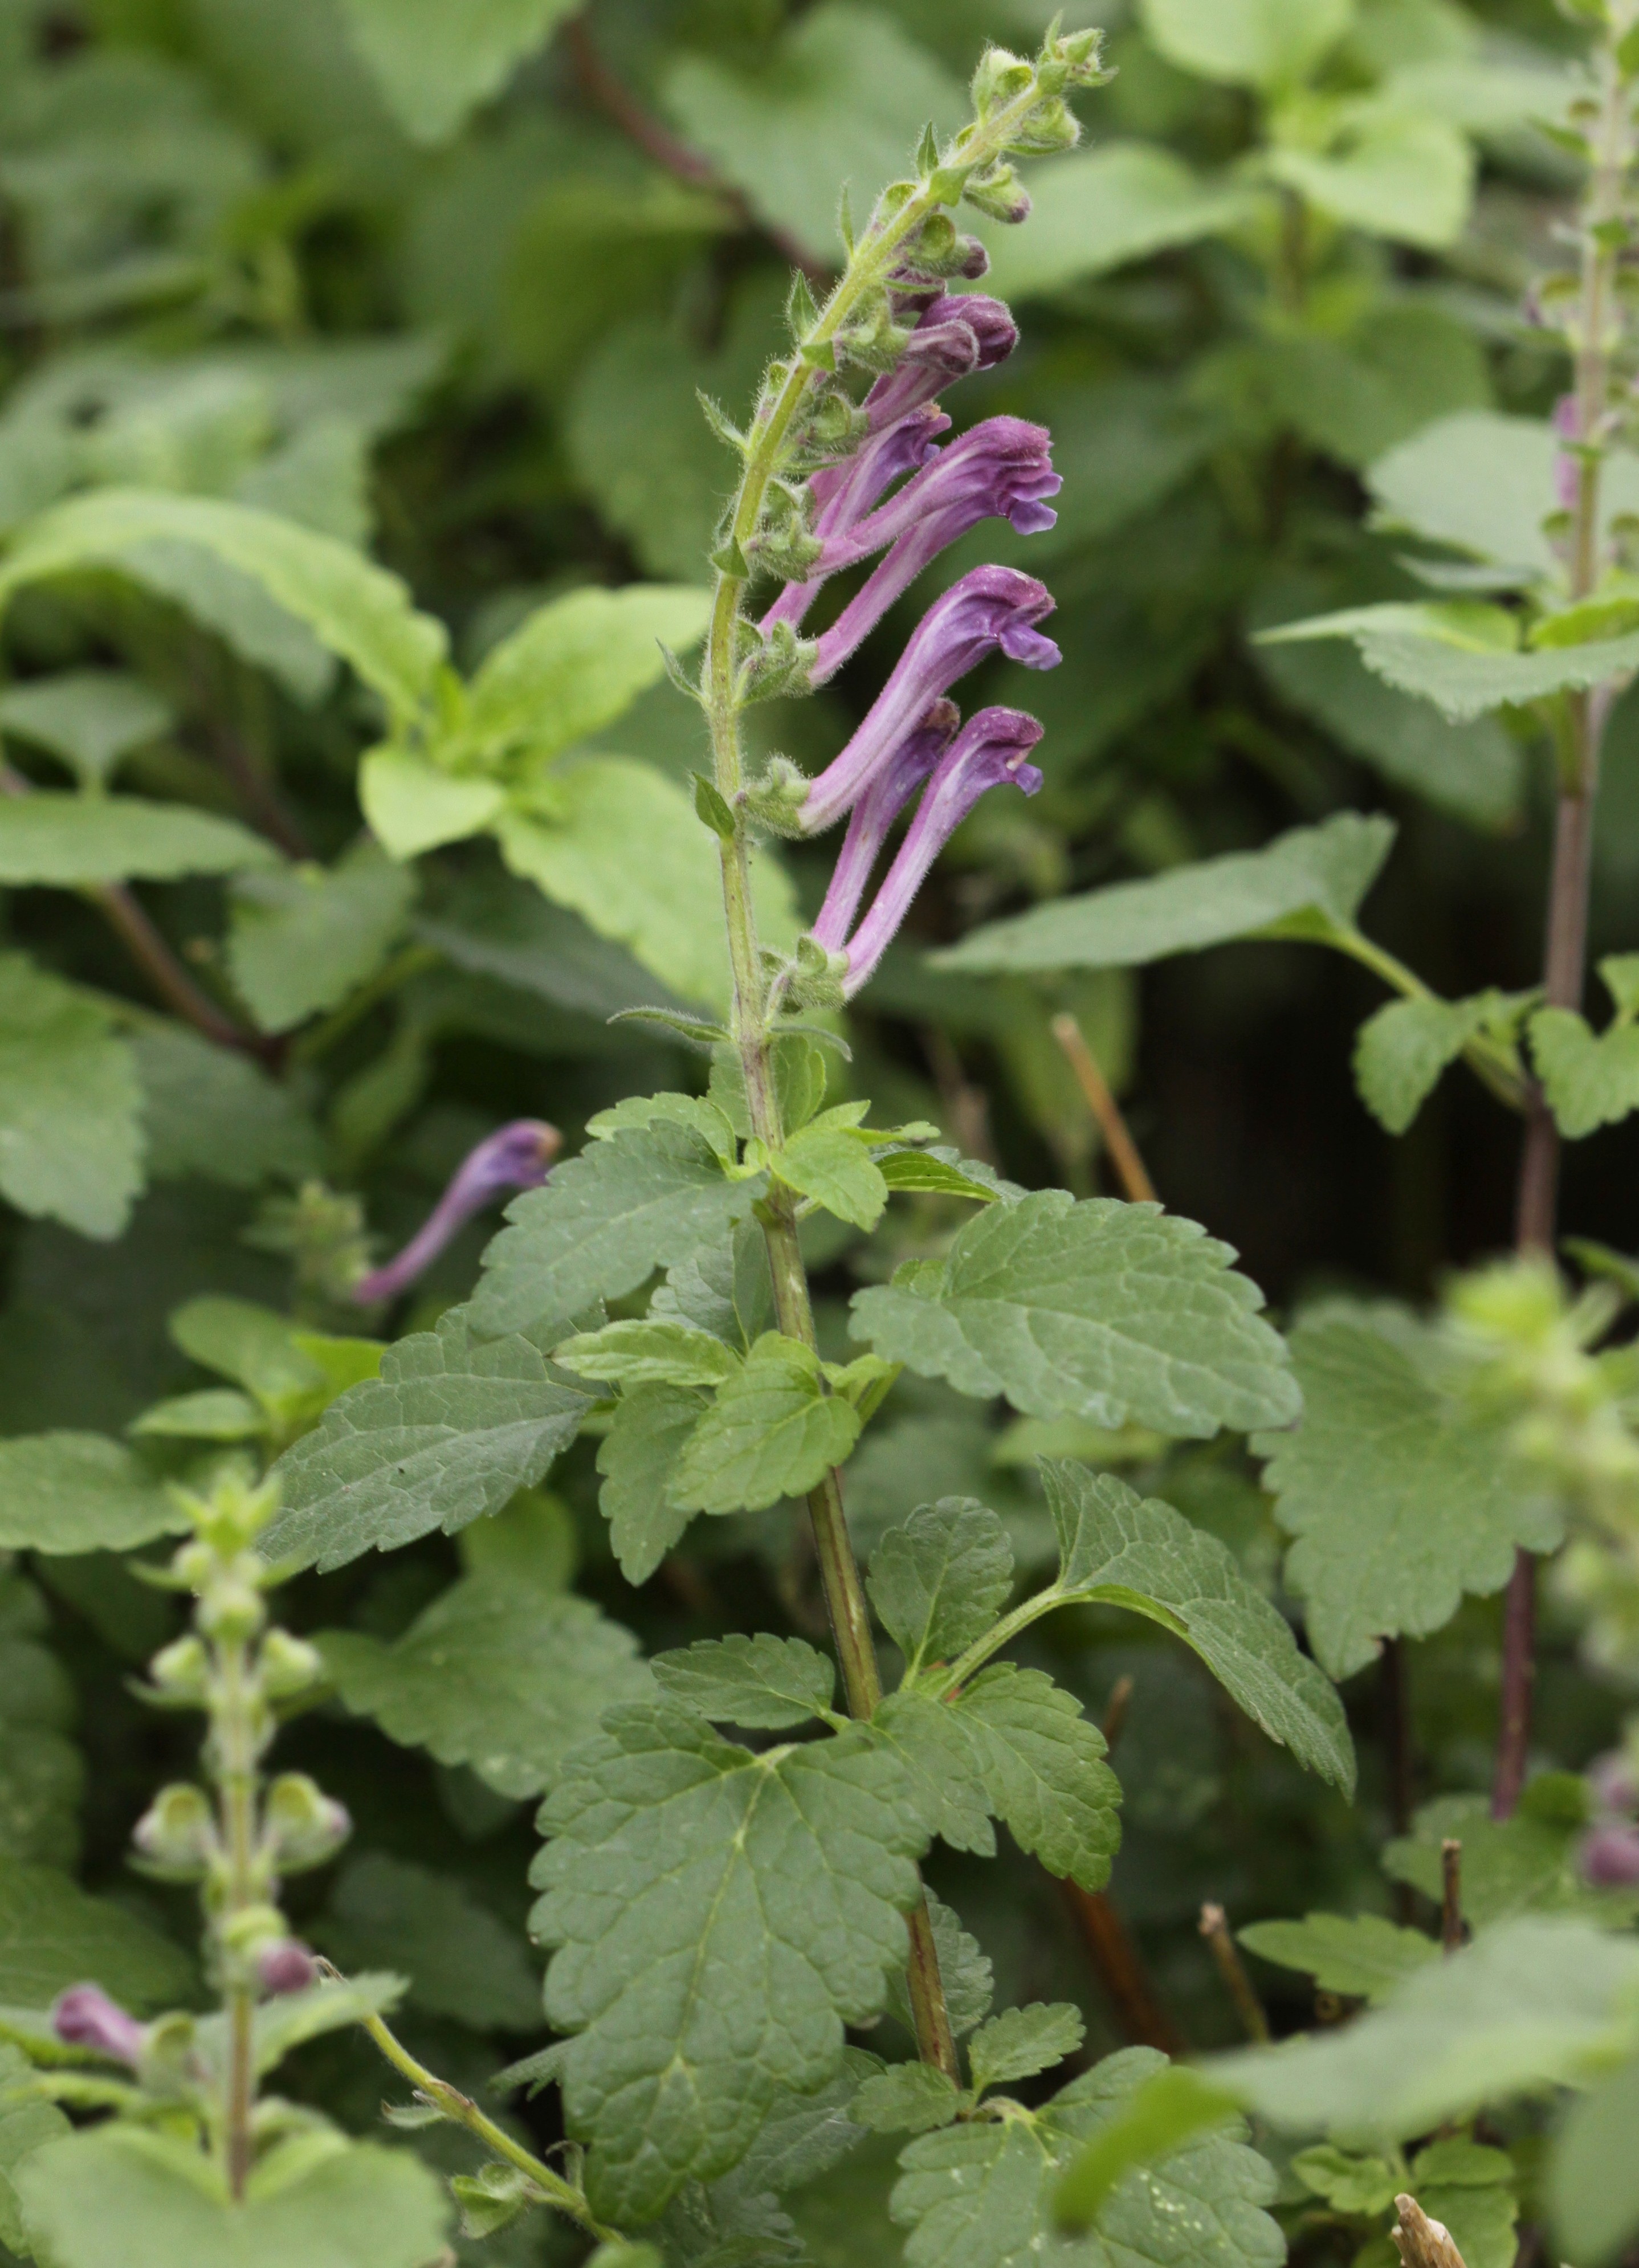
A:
(1566, 948)
(236, 1768)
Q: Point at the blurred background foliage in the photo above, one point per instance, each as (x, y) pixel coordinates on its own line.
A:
(442, 282)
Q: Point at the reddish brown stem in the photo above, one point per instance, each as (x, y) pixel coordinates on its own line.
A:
(1123, 1153)
(614, 99)
(1215, 1927)
(1452, 1931)
(1141, 2019)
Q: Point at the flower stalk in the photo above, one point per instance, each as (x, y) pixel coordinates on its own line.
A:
(907, 246)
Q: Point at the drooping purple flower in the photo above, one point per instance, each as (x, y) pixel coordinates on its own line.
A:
(515, 1157)
(85, 2017)
(287, 1966)
(991, 609)
(852, 488)
(1609, 1857)
(872, 819)
(959, 334)
(1002, 469)
(990, 751)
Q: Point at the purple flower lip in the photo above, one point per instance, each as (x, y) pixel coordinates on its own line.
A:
(991, 609)
(85, 2017)
(1000, 469)
(990, 751)
(515, 1157)
(872, 819)
(958, 333)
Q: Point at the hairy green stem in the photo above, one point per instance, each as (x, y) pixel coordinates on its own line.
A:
(1565, 948)
(869, 264)
(236, 1781)
(461, 2111)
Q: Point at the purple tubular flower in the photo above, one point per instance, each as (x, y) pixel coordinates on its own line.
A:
(872, 818)
(515, 1157)
(1002, 469)
(852, 488)
(989, 752)
(1610, 1856)
(960, 333)
(85, 2017)
(990, 608)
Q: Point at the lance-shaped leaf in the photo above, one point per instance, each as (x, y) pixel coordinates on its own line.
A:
(125, 2196)
(1115, 1313)
(766, 1683)
(70, 1123)
(1399, 1499)
(453, 1429)
(1043, 1769)
(1360, 1955)
(647, 1197)
(72, 1492)
(1306, 883)
(359, 611)
(53, 1935)
(983, 2194)
(1463, 656)
(719, 1918)
(496, 1674)
(774, 1430)
(1116, 1548)
(69, 840)
(1531, 2003)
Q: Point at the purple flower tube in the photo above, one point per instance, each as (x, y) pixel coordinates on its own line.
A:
(85, 2017)
(515, 1157)
(990, 751)
(1000, 471)
(991, 609)
(872, 820)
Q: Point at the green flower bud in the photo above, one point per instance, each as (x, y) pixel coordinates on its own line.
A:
(182, 1671)
(301, 1826)
(246, 1935)
(1049, 128)
(288, 1665)
(231, 1611)
(1001, 78)
(167, 2064)
(176, 1836)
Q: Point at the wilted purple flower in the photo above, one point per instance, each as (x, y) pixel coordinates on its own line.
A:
(872, 819)
(1609, 1857)
(988, 751)
(991, 608)
(85, 2017)
(515, 1157)
(286, 1967)
(1002, 469)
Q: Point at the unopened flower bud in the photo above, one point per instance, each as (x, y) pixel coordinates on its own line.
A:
(85, 2017)
(286, 1967)
(182, 1670)
(1001, 77)
(302, 1827)
(1609, 1857)
(288, 1665)
(177, 1835)
(231, 1611)
(1000, 193)
(251, 1930)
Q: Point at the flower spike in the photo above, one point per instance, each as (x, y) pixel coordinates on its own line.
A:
(516, 1157)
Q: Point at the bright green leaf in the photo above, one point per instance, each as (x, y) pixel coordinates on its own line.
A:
(907, 2098)
(1312, 871)
(1400, 1052)
(1262, 43)
(125, 2196)
(73, 1492)
(90, 717)
(302, 939)
(454, 1427)
(1044, 1770)
(646, 1198)
(943, 1767)
(939, 1580)
(1591, 1080)
(1105, 207)
(1144, 1554)
(66, 841)
(1593, 2183)
(1401, 1500)
(773, 1431)
(1358, 1955)
(721, 1917)
(1021, 2042)
(212, 1111)
(1393, 174)
(766, 1684)
(648, 1353)
(495, 1674)
(71, 1125)
(434, 67)
(652, 1426)
(578, 663)
(827, 1163)
(413, 806)
(1348, 2183)
(1099, 1310)
(52, 1935)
